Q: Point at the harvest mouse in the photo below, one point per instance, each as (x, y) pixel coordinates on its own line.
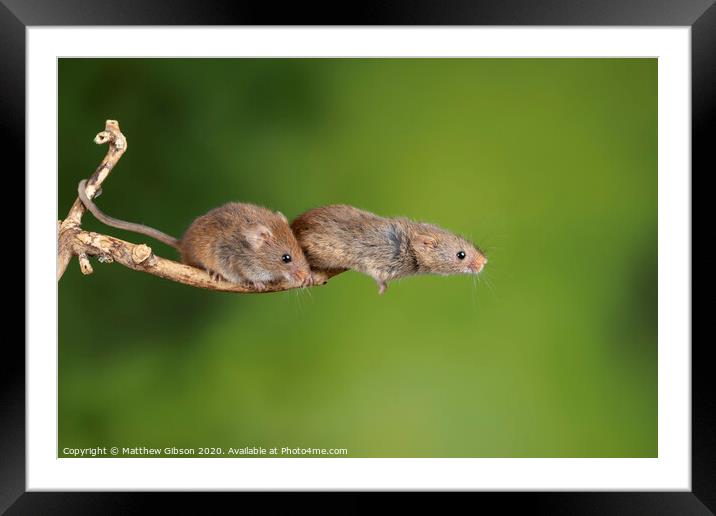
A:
(340, 237)
(237, 242)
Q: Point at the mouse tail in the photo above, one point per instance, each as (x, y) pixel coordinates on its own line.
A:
(121, 224)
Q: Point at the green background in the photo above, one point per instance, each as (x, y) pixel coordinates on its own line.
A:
(550, 165)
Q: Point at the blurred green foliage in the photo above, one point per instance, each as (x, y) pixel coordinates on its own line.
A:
(549, 164)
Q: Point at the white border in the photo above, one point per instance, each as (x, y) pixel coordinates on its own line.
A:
(670, 471)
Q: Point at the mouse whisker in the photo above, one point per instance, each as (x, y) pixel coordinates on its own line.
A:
(299, 300)
(474, 293)
(490, 285)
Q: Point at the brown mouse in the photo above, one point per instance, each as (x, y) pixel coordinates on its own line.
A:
(237, 242)
(340, 237)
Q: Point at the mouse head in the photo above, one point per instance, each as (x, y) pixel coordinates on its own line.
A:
(441, 252)
(276, 251)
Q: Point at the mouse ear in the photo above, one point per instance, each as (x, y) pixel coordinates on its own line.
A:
(257, 234)
(277, 213)
(425, 241)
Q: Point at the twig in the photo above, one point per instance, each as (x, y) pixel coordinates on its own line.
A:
(72, 240)
(68, 228)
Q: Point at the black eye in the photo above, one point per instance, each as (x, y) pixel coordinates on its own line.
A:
(461, 255)
(286, 258)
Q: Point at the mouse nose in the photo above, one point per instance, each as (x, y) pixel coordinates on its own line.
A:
(300, 275)
(479, 263)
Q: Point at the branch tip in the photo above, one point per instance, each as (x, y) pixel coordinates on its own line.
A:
(85, 265)
(102, 137)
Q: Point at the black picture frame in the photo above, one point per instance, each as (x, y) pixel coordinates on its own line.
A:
(700, 15)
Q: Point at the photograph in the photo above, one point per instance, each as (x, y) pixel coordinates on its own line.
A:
(357, 257)
(417, 248)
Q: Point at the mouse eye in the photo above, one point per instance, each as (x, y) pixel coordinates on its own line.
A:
(286, 258)
(461, 255)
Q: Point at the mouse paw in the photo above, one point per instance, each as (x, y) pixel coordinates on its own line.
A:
(215, 276)
(317, 278)
(382, 287)
(259, 286)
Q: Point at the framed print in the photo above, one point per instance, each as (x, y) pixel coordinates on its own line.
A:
(438, 250)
